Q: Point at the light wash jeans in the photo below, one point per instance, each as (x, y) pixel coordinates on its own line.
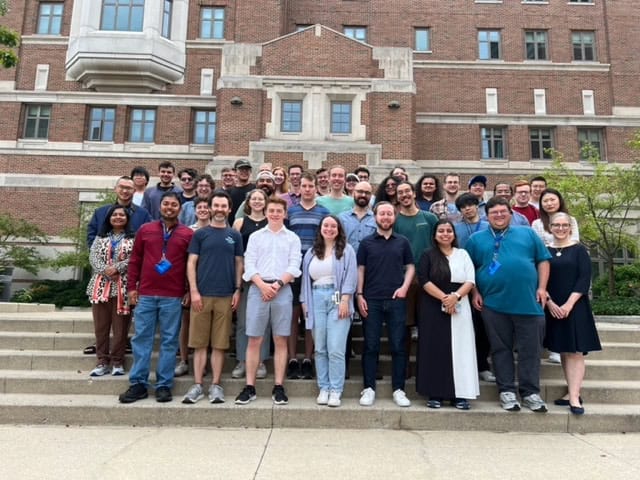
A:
(330, 339)
(164, 313)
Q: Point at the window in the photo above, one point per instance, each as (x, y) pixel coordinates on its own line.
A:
(340, 117)
(536, 44)
(302, 26)
(423, 40)
(591, 137)
(50, 18)
(583, 46)
(37, 122)
(122, 15)
(291, 116)
(101, 124)
(541, 139)
(212, 23)
(358, 33)
(166, 18)
(143, 125)
(492, 142)
(489, 45)
(204, 131)
(580, 1)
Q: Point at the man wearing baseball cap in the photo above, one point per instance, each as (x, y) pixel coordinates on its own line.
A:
(242, 167)
(477, 186)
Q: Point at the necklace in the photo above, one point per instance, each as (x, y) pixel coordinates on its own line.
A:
(559, 249)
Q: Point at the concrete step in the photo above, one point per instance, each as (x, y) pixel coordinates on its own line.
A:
(304, 413)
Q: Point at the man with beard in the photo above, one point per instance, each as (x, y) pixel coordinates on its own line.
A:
(292, 197)
(243, 186)
(446, 208)
(359, 222)
(153, 195)
(385, 271)
(322, 178)
(264, 182)
(336, 201)
(214, 270)
(157, 287)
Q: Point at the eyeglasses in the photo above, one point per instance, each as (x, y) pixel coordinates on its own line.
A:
(362, 192)
(389, 186)
(427, 184)
(523, 193)
(561, 226)
(186, 179)
(498, 213)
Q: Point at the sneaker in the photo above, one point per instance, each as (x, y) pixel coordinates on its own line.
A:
(323, 397)
(434, 403)
(334, 399)
(400, 398)
(181, 369)
(293, 369)
(248, 394)
(414, 333)
(216, 394)
(461, 404)
(535, 403)
(99, 371)
(509, 401)
(367, 397)
(134, 393)
(279, 396)
(194, 394)
(240, 370)
(307, 369)
(487, 376)
(554, 357)
(117, 371)
(163, 394)
(262, 371)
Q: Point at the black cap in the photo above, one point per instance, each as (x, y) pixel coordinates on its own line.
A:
(242, 163)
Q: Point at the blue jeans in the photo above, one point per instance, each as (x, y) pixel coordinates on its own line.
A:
(164, 313)
(393, 312)
(330, 338)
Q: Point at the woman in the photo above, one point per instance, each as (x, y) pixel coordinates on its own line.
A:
(386, 191)
(329, 278)
(280, 180)
(350, 184)
(571, 329)
(447, 368)
(427, 191)
(107, 290)
(399, 172)
(254, 219)
(551, 202)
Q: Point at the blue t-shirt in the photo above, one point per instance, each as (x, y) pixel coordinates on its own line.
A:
(511, 288)
(217, 249)
(305, 223)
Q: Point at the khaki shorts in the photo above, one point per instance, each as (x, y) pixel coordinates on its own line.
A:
(212, 326)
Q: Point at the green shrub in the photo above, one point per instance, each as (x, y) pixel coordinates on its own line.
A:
(62, 293)
(616, 306)
(627, 282)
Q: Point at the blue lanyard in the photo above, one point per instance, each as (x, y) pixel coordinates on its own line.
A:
(498, 241)
(166, 235)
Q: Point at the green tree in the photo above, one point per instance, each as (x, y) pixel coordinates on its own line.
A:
(13, 233)
(602, 202)
(8, 38)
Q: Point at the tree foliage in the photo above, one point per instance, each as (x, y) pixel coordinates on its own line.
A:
(8, 38)
(13, 232)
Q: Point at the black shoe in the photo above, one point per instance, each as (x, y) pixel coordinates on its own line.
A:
(248, 394)
(564, 402)
(307, 369)
(127, 348)
(576, 410)
(293, 369)
(90, 350)
(163, 394)
(134, 393)
(461, 404)
(434, 403)
(278, 395)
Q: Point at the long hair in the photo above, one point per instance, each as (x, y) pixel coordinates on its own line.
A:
(284, 188)
(437, 194)
(562, 207)
(440, 272)
(341, 239)
(381, 193)
(106, 228)
(247, 208)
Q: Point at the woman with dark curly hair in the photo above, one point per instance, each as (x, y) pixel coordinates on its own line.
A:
(386, 191)
(427, 191)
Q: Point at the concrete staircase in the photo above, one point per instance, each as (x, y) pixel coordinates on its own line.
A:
(44, 380)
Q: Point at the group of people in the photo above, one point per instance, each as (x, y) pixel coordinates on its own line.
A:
(467, 278)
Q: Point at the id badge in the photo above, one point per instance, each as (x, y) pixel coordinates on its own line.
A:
(494, 267)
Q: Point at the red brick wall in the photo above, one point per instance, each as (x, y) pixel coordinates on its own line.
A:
(350, 161)
(62, 205)
(392, 128)
(241, 124)
(284, 159)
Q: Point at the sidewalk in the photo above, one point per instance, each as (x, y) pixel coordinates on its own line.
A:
(53, 452)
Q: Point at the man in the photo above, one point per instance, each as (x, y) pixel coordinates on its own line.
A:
(140, 177)
(304, 220)
(187, 177)
(322, 179)
(522, 198)
(157, 287)
(512, 270)
(292, 197)
(272, 260)
(385, 271)
(243, 186)
(362, 173)
(538, 185)
(265, 182)
(336, 201)
(205, 184)
(477, 187)
(503, 189)
(214, 270)
(124, 194)
(446, 208)
(153, 195)
(228, 176)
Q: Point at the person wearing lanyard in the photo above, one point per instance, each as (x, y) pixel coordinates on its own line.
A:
(512, 270)
(158, 288)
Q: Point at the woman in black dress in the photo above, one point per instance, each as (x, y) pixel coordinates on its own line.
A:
(571, 329)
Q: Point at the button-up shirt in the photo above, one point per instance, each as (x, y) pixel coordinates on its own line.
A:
(357, 228)
(271, 254)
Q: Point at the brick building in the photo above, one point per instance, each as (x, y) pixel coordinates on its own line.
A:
(475, 86)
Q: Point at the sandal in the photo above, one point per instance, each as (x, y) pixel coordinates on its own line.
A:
(90, 350)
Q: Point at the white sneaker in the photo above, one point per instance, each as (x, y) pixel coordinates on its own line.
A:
(262, 371)
(181, 369)
(239, 371)
(100, 370)
(554, 357)
(414, 333)
(367, 397)
(323, 397)
(487, 376)
(400, 398)
(117, 371)
(334, 399)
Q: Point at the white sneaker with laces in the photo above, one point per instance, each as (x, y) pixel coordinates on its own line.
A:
(181, 369)
(194, 394)
(487, 376)
(367, 397)
(554, 357)
(99, 371)
(334, 399)
(216, 394)
(400, 398)
(117, 371)
(323, 397)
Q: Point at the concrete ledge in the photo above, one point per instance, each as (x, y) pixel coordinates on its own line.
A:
(11, 307)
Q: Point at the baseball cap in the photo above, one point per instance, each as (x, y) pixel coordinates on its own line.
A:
(478, 179)
(242, 163)
(265, 174)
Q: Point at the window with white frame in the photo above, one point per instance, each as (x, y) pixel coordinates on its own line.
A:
(122, 15)
(36, 123)
(489, 47)
(583, 44)
(212, 23)
(50, 18)
(492, 142)
(142, 125)
(541, 139)
(357, 33)
(340, 117)
(422, 40)
(291, 118)
(102, 122)
(204, 127)
(535, 42)
(590, 143)
(580, 1)
(167, 13)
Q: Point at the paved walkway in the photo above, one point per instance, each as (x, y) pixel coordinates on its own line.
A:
(69, 453)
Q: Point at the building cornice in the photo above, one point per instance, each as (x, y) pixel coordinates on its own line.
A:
(527, 120)
(521, 66)
(106, 98)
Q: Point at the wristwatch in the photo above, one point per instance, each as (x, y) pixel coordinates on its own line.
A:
(280, 282)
